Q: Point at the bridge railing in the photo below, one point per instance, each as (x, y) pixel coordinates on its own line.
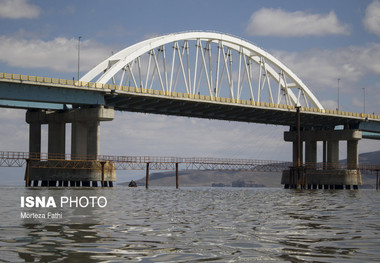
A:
(102, 86)
(45, 160)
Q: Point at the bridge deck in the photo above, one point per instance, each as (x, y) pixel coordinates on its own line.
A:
(68, 161)
(133, 99)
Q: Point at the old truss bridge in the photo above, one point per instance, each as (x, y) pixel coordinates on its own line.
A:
(68, 161)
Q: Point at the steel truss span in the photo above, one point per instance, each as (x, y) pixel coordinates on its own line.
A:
(68, 161)
(205, 63)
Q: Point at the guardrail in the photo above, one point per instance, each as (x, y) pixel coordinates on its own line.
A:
(45, 160)
(111, 87)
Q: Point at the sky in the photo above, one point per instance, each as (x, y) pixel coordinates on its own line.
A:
(320, 41)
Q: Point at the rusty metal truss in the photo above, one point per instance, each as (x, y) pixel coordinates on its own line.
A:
(142, 166)
(12, 162)
(67, 161)
(237, 167)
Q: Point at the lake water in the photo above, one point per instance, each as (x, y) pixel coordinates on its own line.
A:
(193, 225)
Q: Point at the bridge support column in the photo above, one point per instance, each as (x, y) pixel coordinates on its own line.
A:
(34, 119)
(324, 155)
(311, 154)
(332, 154)
(85, 139)
(35, 139)
(85, 135)
(56, 140)
(147, 176)
(93, 133)
(352, 154)
(330, 176)
(78, 140)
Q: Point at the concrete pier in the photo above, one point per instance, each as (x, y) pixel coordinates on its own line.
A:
(78, 140)
(332, 154)
(311, 153)
(35, 139)
(89, 177)
(85, 132)
(352, 154)
(323, 179)
(56, 140)
(329, 175)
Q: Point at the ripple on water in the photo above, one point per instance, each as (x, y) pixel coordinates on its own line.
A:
(202, 224)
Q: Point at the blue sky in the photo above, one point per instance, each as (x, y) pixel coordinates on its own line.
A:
(320, 41)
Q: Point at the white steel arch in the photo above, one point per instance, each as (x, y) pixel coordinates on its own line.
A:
(209, 63)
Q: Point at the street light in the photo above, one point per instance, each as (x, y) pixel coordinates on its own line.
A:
(338, 95)
(364, 99)
(78, 53)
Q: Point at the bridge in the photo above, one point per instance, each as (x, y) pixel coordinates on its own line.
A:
(41, 161)
(194, 74)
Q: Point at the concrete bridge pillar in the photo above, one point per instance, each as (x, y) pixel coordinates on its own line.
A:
(56, 140)
(324, 154)
(332, 154)
(35, 139)
(85, 139)
(330, 177)
(311, 154)
(93, 133)
(352, 154)
(85, 133)
(78, 140)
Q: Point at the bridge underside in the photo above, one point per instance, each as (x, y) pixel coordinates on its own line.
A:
(222, 110)
(56, 96)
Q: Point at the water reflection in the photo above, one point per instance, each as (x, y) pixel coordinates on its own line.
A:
(49, 243)
(197, 225)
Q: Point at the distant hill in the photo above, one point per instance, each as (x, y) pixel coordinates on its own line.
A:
(367, 158)
(214, 178)
(240, 178)
(370, 158)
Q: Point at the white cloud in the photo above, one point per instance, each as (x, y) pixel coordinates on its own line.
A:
(329, 104)
(358, 102)
(355, 66)
(16, 9)
(277, 22)
(157, 135)
(59, 54)
(14, 130)
(371, 19)
(321, 68)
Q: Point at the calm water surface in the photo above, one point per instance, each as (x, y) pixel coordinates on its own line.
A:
(195, 225)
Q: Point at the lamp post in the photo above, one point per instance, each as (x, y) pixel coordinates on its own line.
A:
(78, 53)
(364, 99)
(338, 95)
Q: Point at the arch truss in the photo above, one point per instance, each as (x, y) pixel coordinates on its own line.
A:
(205, 63)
